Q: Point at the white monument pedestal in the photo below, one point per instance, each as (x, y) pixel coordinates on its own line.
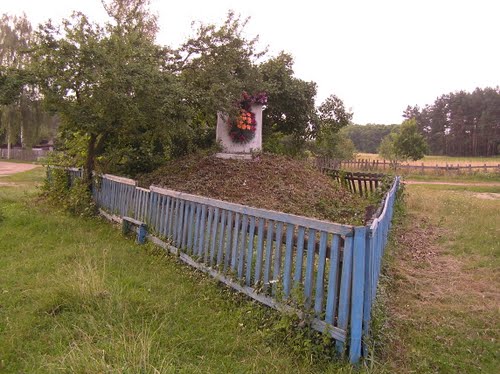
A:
(239, 151)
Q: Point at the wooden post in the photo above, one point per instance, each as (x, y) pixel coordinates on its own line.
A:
(357, 297)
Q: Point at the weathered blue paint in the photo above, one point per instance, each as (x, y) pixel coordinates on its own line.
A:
(297, 278)
(251, 236)
(358, 281)
(191, 223)
(269, 253)
(201, 232)
(220, 248)
(331, 300)
(260, 251)
(242, 246)
(218, 232)
(229, 230)
(207, 233)
(345, 288)
(288, 260)
(196, 229)
(311, 244)
(277, 255)
(234, 247)
(215, 227)
(320, 274)
(186, 224)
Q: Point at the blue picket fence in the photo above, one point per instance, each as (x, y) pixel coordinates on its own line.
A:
(323, 271)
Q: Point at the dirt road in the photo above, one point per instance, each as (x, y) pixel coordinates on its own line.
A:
(8, 168)
(485, 184)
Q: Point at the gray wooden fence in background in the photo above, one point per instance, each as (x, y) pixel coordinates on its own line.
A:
(315, 268)
(384, 165)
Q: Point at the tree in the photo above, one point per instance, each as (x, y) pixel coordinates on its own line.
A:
(332, 117)
(291, 112)
(110, 86)
(404, 143)
(367, 138)
(219, 63)
(461, 123)
(21, 117)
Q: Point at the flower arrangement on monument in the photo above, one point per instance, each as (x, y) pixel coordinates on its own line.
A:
(242, 128)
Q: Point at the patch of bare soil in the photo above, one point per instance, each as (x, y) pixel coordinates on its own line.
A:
(479, 184)
(268, 182)
(8, 168)
(487, 195)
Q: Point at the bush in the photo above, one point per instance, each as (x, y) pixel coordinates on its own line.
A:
(72, 196)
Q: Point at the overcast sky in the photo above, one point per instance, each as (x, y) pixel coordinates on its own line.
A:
(377, 56)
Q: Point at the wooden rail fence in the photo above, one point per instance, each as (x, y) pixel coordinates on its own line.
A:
(376, 165)
(363, 184)
(23, 154)
(291, 263)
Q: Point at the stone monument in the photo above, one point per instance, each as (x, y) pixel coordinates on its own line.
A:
(242, 136)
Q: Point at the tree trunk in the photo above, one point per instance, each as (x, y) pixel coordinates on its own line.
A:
(89, 162)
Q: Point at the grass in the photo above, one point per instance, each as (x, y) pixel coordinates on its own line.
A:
(456, 178)
(441, 284)
(76, 296)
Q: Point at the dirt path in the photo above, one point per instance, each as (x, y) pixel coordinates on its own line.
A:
(8, 168)
(485, 184)
(444, 288)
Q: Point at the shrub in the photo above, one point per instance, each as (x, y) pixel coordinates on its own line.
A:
(72, 196)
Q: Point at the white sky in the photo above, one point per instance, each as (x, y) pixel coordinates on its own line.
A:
(377, 56)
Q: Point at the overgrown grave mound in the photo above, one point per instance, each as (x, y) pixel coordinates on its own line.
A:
(266, 181)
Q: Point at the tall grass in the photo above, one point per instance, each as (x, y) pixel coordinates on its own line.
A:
(78, 297)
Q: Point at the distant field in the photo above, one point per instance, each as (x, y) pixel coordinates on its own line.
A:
(441, 160)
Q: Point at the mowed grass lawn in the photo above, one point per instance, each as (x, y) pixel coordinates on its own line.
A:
(78, 297)
(443, 282)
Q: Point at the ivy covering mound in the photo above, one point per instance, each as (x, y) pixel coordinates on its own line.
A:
(268, 181)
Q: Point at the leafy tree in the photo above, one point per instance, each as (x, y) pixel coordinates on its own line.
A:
(367, 138)
(404, 143)
(22, 119)
(387, 150)
(332, 117)
(461, 123)
(290, 113)
(110, 86)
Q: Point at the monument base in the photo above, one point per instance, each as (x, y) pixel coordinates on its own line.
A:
(234, 156)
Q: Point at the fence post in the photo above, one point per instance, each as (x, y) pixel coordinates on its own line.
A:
(357, 298)
(367, 303)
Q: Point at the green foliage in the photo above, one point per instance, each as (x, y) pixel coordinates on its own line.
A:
(386, 149)
(330, 142)
(137, 104)
(290, 110)
(404, 143)
(22, 120)
(300, 339)
(100, 303)
(71, 196)
(334, 145)
(367, 138)
(461, 123)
